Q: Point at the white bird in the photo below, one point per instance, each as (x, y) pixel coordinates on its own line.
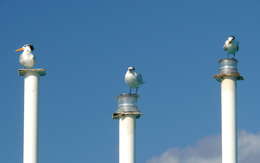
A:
(231, 45)
(133, 79)
(26, 59)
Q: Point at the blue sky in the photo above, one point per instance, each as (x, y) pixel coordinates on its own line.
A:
(86, 46)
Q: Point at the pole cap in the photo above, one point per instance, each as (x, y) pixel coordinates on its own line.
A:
(127, 105)
(228, 68)
(39, 71)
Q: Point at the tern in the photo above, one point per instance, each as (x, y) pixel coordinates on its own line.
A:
(26, 59)
(133, 79)
(231, 45)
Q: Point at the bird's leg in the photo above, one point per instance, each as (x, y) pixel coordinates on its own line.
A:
(233, 55)
(130, 90)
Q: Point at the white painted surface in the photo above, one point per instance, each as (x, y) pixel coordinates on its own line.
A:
(127, 139)
(30, 117)
(228, 120)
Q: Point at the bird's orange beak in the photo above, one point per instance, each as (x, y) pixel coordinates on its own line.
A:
(21, 49)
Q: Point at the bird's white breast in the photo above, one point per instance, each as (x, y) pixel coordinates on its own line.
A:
(231, 47)
(131, 80)
(27, 60)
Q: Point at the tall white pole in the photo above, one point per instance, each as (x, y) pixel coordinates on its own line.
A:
(127, 139)
(228, 120)
(30, 145)
(227, 77)
(127, 113)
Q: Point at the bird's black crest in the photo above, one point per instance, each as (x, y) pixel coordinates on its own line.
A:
(132, 67)
(232, 37)
(31, 46)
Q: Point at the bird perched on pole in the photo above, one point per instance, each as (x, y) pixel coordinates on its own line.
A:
(26, 59)
(133, 79)
(231, 45)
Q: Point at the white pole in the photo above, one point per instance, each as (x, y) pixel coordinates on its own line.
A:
(127, 113)
(228, 76)
(228, 120)
(127, 139)
(30, 146)
(30, 152)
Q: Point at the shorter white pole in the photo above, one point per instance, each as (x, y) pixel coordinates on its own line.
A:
(127, 139)
(30, 144)
(30, 151)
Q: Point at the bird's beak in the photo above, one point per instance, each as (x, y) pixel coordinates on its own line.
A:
(21, 49)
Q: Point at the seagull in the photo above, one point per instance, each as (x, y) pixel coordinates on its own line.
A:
(133, 79)
(26, 59)
(231, 45)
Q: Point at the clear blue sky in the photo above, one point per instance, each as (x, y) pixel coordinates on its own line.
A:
(86, 46)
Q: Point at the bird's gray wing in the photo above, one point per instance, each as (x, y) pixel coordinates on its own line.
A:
(140, 78)
(34, 59)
